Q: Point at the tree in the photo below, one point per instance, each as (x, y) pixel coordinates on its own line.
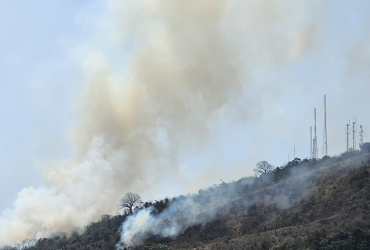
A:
(263, 167)
(365, 147)
(129, 202)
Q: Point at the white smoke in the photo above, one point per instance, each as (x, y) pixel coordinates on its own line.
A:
(218, 201)
(188, 61)
(175, 219)
(71, 201)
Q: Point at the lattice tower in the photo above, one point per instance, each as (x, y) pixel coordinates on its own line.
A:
(325, 138)
(361, 136)
(315, 151)
(354, 130)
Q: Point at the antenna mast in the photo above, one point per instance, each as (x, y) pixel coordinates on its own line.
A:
(354, 130)
(361, 136)
(311, 155)
(315, 139)
(325, 138)
(347, 132)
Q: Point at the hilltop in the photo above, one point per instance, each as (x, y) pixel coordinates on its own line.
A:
(304, 204)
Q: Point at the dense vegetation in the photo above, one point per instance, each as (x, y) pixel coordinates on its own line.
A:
(304, 204)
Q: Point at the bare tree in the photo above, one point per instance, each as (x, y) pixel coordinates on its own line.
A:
(129, 202)
(263, 167)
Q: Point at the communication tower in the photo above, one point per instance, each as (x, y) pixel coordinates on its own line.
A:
(314, 151)
(347, 132)
(361, 136)
(311, 142)
(354, 130)
(325, 138)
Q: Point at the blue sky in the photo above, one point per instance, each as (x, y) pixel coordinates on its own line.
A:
(44, 48)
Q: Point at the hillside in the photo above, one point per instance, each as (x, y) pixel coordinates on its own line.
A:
(330, 210)
(305, 204)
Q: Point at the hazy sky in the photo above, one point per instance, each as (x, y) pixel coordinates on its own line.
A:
(45, 46)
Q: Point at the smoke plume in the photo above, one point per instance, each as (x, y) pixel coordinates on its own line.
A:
(187, 61)
(181, 214)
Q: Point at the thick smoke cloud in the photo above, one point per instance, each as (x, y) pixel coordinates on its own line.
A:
(187, 61)
(221, 202)
(173, 221)
(181, 214)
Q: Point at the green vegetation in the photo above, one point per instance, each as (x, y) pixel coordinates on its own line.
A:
(156, 247)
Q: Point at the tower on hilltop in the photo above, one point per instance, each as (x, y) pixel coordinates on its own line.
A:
(314, 150)
(354, 130)
(347, 132)
(311, 155)
(361, 136)
(325, 138)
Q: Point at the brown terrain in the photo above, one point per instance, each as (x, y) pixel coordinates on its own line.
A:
(320, 204)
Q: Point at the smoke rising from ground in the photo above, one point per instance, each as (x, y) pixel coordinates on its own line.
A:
(271, 192)
(173, 221)
(187, 61)
(181, 214)
(225, 201)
